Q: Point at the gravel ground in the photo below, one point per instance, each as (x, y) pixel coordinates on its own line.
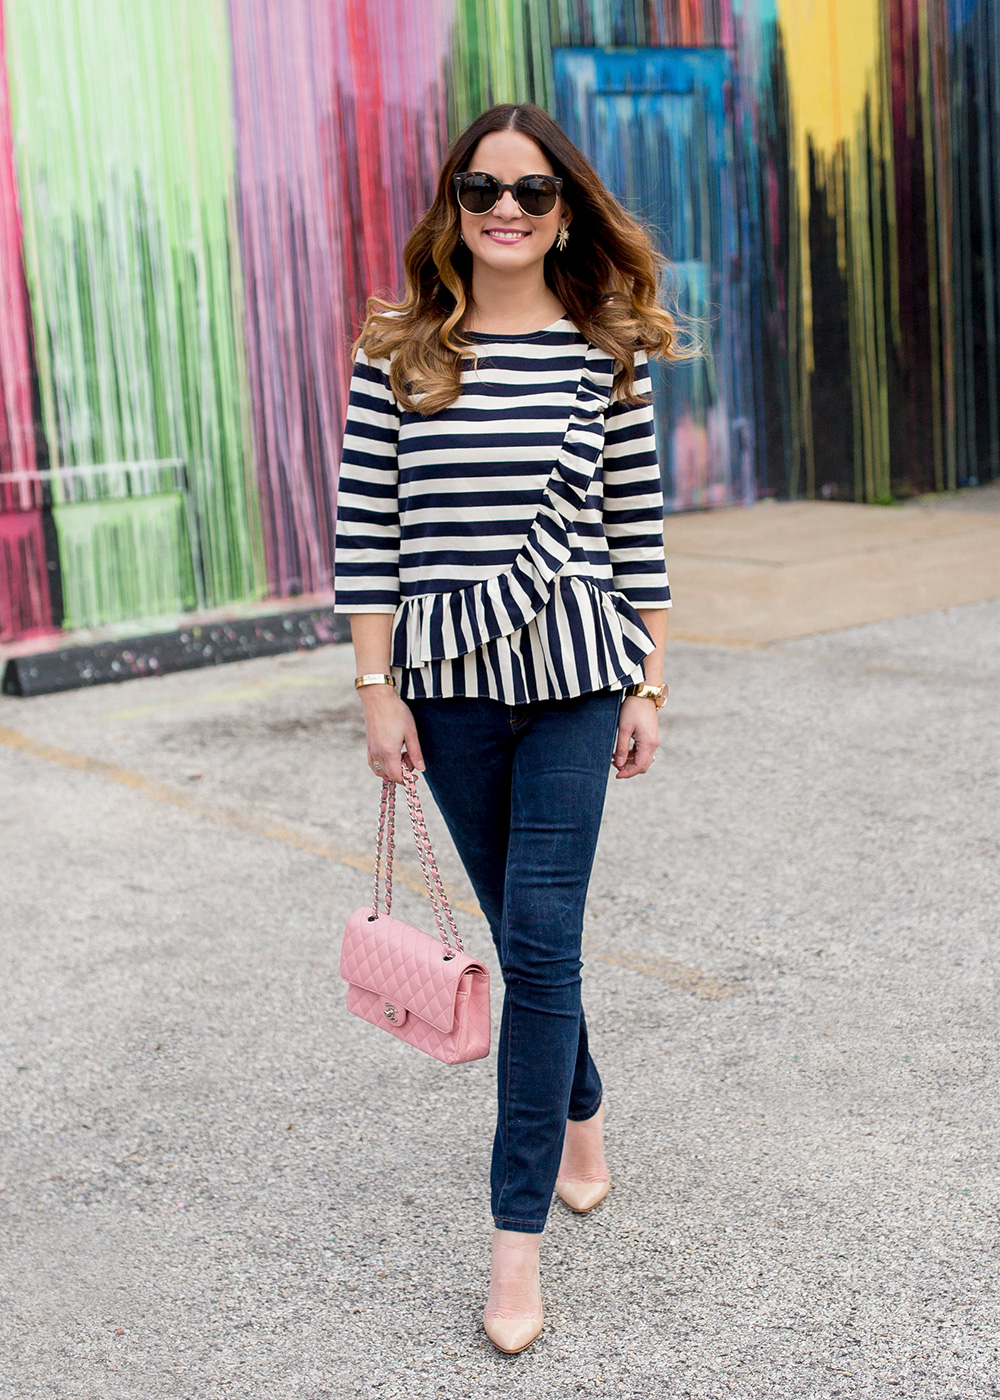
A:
(216, 1181)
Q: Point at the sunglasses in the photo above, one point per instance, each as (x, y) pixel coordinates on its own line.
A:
(478, 193)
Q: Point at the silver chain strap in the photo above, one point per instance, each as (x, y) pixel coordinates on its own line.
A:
(428, 865)
(387, 806)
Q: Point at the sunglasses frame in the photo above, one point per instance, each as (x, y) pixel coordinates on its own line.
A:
(460, 175)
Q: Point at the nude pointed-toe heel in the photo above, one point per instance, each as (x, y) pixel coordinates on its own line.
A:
(513, 1334)
(581, 1196)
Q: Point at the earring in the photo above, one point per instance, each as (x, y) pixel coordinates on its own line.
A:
(562, 237)
(461, 239)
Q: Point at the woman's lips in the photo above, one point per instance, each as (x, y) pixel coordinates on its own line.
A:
(506, 236)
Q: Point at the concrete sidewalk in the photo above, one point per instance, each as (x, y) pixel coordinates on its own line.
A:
(792, 569)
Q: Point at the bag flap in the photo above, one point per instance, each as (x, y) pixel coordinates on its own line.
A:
(404, 965)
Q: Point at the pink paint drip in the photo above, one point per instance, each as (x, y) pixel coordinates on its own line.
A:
(25, 606)
(340, 124)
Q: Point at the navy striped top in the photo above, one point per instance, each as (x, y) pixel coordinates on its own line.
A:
(512, 535)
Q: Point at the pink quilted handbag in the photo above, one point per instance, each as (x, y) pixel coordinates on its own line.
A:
(400, 978)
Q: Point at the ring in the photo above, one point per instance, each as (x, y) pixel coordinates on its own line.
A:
(376, 764)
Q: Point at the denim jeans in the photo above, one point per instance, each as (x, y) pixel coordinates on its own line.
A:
(522, 788)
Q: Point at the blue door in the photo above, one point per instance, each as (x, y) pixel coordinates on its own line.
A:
(656, 124)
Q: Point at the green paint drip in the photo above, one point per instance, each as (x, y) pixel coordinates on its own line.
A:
(124, 559)
(501, 51)
(123, 135)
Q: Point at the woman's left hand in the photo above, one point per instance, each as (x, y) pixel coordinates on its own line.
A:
(638, 736)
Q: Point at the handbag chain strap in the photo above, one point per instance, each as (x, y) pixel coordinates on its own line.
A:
(428, 865)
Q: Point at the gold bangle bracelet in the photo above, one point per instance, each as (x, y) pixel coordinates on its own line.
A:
(382, 679)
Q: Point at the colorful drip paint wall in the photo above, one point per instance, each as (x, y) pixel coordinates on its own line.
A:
(195, 199)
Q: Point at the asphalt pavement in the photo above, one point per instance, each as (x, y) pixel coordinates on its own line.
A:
(218, 1182)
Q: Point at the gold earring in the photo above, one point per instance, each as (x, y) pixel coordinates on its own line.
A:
(562, 237)
(461, 239)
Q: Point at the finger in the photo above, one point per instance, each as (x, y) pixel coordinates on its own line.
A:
(620, 754)
(386, 765)
(628, 767)
(639, 759)
(644, 753)
(413, 754)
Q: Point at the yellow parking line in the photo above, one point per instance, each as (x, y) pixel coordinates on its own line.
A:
(173, 797)
(666, 970)
(228, 695)
(675, 974)
(709, 639)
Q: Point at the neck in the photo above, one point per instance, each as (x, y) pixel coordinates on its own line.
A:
(506, 302)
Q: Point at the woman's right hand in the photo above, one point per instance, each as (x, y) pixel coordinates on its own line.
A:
(391, 733)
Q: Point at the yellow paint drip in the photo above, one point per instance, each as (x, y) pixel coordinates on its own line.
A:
(831, 50)
(834, 56)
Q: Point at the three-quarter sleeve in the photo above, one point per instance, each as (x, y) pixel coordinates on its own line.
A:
(633, 498)
(366, 561)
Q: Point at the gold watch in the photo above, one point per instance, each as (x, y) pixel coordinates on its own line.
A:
(656, 693)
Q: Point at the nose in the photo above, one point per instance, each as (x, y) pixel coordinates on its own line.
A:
(508, 207)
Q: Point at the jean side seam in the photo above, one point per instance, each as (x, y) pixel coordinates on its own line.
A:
(506, 1094)
(511, 1017)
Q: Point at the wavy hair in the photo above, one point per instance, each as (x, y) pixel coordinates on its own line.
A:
(607, 278)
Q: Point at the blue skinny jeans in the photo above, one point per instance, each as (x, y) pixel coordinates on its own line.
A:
(522, 788)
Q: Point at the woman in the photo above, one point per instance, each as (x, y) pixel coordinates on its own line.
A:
(500, 553)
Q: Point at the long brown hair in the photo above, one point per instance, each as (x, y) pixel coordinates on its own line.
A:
(607, 279)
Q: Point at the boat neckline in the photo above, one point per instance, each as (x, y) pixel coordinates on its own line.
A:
(523, 335)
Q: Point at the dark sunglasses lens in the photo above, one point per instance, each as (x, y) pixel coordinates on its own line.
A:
(536, 195)
(477, 194)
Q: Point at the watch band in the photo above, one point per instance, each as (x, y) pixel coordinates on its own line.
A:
(644, 691)
(383, 678)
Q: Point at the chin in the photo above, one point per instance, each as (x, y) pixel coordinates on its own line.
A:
(501, 253)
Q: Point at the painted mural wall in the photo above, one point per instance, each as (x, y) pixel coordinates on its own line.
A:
(195, 200)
